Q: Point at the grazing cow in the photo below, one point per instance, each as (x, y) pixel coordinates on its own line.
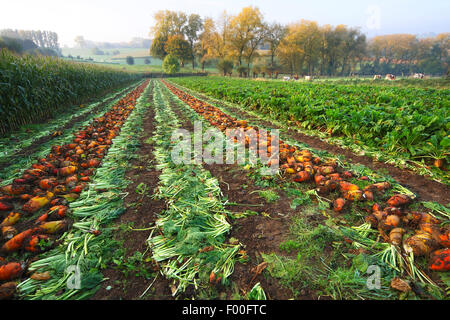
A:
(377, 76)
(286, 78)
(390, 77)
(418, 76)
(308, 78)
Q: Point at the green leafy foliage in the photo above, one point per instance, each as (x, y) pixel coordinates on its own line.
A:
(36, 87)
(170, 64)
(405, 121)
(300, 197)
(257, 293)
(269, 195)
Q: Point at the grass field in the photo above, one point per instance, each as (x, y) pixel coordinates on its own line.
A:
(139, 55)
(119, 61)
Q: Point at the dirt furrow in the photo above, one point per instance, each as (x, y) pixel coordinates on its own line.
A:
(261, 233)
(141, 213)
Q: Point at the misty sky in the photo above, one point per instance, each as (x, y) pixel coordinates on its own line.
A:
(115, 21)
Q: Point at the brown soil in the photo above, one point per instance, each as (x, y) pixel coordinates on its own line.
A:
(262, 233)
(141, 216)
(27, 151)
(427, 190)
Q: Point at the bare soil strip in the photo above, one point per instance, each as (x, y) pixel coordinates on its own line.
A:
(262, 233)
(141, 212)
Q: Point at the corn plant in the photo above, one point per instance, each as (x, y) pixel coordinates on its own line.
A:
(36, 87)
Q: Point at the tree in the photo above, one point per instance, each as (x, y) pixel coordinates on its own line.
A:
(394, 47)
(179, 48)
(289, 52)
(157, 48)
(147, 61)
(242, 71)
(225, 66)
(352, 47)
(167, 23)
(442, 40)
(42, 39)
(170, 64)
(254, 42)
(191, 30)
(271, 68)
(204, 48)
(12, 44)
(257, 69)
(244, 27)
(301, 48)
(274, 35)
(80, 42)
(308, 38)
(330, 42)
(97, 51)
(222, 36)
(130, 60)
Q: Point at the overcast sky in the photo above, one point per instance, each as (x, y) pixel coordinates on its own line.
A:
(115, 21)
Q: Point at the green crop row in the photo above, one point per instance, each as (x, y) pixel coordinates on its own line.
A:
(409, 122)
(37, 87)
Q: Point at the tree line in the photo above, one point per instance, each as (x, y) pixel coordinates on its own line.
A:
(136, 42)
(301, 48)
(42, 39)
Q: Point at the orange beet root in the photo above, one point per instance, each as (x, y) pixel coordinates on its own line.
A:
(338, 204)
(10, 271)
(440, 260)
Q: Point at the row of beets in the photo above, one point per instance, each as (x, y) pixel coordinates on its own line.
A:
(419, 232)
(34, 208)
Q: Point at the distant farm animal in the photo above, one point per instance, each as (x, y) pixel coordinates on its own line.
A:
(377, 76)
(418, 76)
(390, 77)
(308, 78)
(286, 78)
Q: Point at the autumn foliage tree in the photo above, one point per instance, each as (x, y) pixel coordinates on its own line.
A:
(303, 47)
(274, 35)
(246, 30)
(176, 33)
(167, 23)
(179, 48)
(192, 32)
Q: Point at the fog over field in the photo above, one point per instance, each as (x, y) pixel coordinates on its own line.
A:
(114, 21)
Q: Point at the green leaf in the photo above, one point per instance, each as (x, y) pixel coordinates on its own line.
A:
(300, 201)
(445, 143)
(360, 262)
(91, 280)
